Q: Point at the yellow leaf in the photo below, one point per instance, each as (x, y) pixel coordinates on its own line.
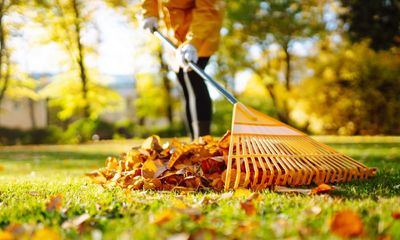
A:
(5, 235)
(46, 233)
(164, 217)
(242, 192)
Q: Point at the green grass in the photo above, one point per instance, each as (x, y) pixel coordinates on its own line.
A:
(30, 175)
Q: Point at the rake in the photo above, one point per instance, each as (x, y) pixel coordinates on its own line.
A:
(264, 152)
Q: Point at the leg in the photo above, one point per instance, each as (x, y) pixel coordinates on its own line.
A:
(188, 117)
(198, 103)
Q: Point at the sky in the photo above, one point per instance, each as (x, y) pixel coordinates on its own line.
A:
(115, 53)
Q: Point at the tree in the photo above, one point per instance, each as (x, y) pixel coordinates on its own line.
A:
(68, 22)
(280, 22)
(130, 9)
(6, 7)
(353, 90)
(14, 83)
(377, 20)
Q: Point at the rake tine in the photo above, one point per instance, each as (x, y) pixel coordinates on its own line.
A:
(238, 164)
(229, 164)
(281, 161)
(259, 150)
(254, 162)
(246, 162)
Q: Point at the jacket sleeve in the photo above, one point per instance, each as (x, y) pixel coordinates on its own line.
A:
(206, 23)
(149, 8)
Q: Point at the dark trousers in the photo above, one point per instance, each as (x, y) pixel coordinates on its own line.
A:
(198, 105)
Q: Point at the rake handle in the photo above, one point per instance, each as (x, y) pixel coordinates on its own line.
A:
(198, 70)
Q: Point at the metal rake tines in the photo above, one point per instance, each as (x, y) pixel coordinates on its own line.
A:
(258, 162)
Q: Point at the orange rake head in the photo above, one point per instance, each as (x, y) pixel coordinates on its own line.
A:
(265, 152)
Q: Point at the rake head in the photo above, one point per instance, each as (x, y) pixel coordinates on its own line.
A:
(264, 152)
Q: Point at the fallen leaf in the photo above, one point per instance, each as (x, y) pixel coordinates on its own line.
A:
(164, 217)
(54, 203)
(347, 224)
(97, 177)
(322, 188)
(153, 168)
(396, 215)
(46, 233)
(76, 223)
(253, 196)
(384, 237)
(315, 210)
(227, 195)
(242, 192)
(193, 213)
(4, 235)
(179, 236)
(282, 189)
(34, 193)
(152, 143)
(248, 207)
(203, 233)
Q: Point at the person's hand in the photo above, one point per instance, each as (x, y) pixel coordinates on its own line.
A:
(186, 53)
(149, 24)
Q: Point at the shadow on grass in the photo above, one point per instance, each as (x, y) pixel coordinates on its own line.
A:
(384, 185)
(51, 155)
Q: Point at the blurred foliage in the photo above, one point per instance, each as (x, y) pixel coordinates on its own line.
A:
(49, 135)
(255, 27)
(62, 92)
(345, 81)
(13, 82)
(353, 90)
(84, 130)
(78, 90)
(378, 20)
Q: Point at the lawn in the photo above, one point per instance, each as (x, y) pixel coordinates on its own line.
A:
(31, 175)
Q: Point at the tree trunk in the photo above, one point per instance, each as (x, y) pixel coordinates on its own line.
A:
(288, 70)
(4, 56)
(167, 88)
(282, 115)
(80, 59)
(288, 81)
(32, 113)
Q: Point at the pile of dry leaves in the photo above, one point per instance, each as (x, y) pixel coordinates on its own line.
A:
(170, 166)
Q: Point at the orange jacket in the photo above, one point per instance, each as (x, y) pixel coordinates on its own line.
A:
(197, 22)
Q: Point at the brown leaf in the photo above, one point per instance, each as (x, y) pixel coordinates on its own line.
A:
(201, 234)
(396, 215)
(347, 224)
(19, 231)
(249, 207)
(322, 188)
(282, 189)
(179, 236)
(34, 193)
(76, 223)
(54, 203)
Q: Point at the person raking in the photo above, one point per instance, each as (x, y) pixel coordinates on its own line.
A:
(194, 26)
